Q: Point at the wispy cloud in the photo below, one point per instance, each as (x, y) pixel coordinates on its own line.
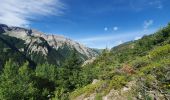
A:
(111, 40)
(119, 42)
(138, 37)
(115, 28)
(19, 12)
(105, 29)
(157, 3)
(99, 38)
(139, 5)
(148, 23)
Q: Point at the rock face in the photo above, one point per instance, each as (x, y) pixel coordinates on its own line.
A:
(120, 94)
(60, 41)
(40, 47)
(33, 38)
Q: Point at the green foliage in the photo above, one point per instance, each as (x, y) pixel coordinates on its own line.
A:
(91, 88)
(17, 82)
(98, 97)
(140, 62)
(154, 76)
(46, 71)
(70, 72)
(160, 51)
(117, 82)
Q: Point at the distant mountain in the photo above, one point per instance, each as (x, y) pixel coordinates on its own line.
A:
(39, 47)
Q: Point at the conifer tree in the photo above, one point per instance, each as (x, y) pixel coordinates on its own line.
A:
(16, 82)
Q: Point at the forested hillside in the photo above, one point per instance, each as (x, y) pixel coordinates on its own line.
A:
(135, 70)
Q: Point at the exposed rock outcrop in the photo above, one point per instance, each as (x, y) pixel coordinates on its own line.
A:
(33, 37)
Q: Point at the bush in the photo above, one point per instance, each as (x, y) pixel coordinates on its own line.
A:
(140, 62)
(160, 51)
(87, 90)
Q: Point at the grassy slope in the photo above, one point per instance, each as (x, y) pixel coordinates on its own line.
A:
(146, 61)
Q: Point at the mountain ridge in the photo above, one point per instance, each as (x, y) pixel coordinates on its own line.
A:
(39, 43)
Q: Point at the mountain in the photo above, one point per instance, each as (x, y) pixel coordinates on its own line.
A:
(39, 47)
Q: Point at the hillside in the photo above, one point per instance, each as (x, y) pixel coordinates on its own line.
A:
(136, 70)
(38, 47)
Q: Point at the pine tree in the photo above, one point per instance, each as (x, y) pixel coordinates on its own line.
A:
(46, 71)
(72, 68)
(8, 82)
(17, 82)
(25, 82)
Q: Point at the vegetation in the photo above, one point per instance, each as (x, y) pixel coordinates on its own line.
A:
(145, 61)
(17, 82)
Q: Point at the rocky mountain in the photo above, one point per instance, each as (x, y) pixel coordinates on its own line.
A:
(41, 47)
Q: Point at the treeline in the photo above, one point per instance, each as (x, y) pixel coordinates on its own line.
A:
(43, 83)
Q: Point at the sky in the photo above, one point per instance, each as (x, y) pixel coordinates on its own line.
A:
(94, 23)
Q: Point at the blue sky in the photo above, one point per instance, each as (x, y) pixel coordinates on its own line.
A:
(94, 23)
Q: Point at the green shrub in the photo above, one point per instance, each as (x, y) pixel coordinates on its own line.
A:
(87, 90)
(160, 51)
(98, 96)
(140, 62)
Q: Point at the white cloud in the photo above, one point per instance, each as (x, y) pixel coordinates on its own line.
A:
(156, 3)
(99, 38)
(148, 23)
(115, 28)
(18, 12)
(159, 6)
(110, 37)
(137, 38)
(110, 40)
(119, 42)
(105, 29)
(139, 5)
